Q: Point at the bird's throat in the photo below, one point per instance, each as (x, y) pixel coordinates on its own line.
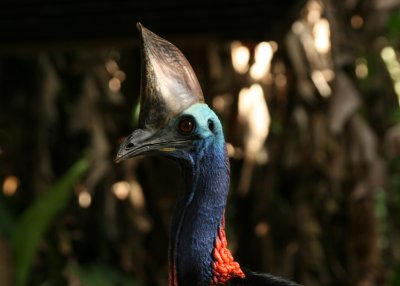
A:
(198, 250)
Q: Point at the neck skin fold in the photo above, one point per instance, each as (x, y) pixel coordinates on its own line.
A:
(198, 216)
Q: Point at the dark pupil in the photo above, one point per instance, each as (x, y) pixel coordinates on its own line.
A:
(211, 125)
(186, 126)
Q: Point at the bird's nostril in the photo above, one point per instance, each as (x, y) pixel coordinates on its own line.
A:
(129, 145)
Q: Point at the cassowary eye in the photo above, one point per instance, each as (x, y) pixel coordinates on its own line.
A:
(211, 125)
(186, 126)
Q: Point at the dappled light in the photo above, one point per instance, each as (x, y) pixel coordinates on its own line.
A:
(121, 190)
(240, 57)
(84, 199)
(393, 66)
(254, 114)
(321, 33)
(10, 185)
(262, 60)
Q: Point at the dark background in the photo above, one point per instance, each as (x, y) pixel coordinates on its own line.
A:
(322, 199)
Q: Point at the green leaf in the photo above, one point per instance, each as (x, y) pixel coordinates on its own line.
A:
(136, 113)
(396, 280)
(394, 27)
(7, 218)
(33, 223)
(101, 275)
(276, 127)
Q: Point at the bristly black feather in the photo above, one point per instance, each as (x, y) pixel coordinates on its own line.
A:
(260, 279)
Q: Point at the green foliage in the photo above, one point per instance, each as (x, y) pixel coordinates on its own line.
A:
(395, 186)
(395, 116)
(276, 127)
(394, 27)
(395, 179)
(33, 223)
(7, 217)
(101, 275)
(136, 113)
(396, 280)
(370, 60)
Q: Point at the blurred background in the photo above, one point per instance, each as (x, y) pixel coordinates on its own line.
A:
(308, 92)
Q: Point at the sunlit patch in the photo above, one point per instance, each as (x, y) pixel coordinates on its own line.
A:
(281, 80)
(136, 195)
(328, 74)
(255, 118)
(388, 55)
(121, 190)
(314, 11)
(356, 21)
(111, 66)
(253, 112)
(321, 32)
(313, 32)
(84, 199)
(361, 70)
(297, 27)
(320, 83)
(129, 190)
(114, 84)
(274, 46)
(120, 75)
(240, 56)
(261, 229)
(10, 185)
(262, 60)
(222, 102)
(117, 76)
(397, 89)
(218, 103)
(230, 149)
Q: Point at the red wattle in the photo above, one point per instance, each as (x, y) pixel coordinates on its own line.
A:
(224, 267)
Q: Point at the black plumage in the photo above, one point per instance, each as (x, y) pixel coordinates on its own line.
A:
(259, 279)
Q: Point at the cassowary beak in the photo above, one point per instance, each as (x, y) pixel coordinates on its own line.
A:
(168, 87)
(145, 142)
(138, 143)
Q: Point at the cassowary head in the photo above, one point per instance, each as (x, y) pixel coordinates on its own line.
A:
(173, 120)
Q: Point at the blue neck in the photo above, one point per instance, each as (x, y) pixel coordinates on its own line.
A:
(198, 215)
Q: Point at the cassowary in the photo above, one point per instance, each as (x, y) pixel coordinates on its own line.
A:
(175, 122)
